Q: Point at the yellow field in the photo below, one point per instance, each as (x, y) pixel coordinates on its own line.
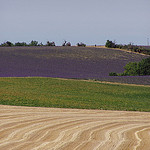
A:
(30, 128)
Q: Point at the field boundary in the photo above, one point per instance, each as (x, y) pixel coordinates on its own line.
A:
(105, 82)
(88, 80)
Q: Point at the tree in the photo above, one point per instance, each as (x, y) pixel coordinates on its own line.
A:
(40, 44)
(81, 44)
(110, 44)
(135, 69)
(144, 67)
(131, 69)
(50, 43)
(68, 44)
(7, 44)
(20, 44)
(64, 44)
(33, 43)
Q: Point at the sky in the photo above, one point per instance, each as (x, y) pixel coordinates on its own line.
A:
(88, 21)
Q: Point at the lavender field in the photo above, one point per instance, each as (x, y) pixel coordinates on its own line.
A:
(68, 62)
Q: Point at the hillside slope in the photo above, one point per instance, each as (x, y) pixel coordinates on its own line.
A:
(65, 62)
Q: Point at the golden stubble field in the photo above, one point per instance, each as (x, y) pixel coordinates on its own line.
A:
(30, 128)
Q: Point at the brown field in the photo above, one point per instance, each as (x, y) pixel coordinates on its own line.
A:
(28, 128)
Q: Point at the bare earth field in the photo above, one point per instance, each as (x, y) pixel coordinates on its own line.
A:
(26, 128)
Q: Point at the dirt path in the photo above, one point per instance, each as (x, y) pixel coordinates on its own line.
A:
(106, 82)
(125, 50)
(28, 128)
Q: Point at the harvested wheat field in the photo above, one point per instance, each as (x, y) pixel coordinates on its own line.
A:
(26, 128)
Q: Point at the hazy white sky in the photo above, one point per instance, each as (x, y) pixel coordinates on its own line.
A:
(88, 21)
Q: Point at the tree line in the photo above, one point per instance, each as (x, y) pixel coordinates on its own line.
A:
(35, 43)
(130, 47)
(109, 44)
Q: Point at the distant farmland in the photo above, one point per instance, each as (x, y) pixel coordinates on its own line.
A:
(68, 62)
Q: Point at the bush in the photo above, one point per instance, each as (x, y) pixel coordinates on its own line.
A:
(110, 44)
(20, 44)
(113, 74)
(68, 44)
(33, 43)
(64, 44)
(123, 74)
(81, 44)
(50, 43)
(7, 44)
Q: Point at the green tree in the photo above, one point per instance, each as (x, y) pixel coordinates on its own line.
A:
(33, 43)
(110, 44)
(81, 44)
(20, 44)
(144, 67)
(113, 74)
(7, 44)
(131, 69)
(135, 69)
(50, 43)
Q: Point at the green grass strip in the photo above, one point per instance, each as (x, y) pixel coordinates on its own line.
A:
(60, 93)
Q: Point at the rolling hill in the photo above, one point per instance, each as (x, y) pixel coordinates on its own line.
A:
(68, 62)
